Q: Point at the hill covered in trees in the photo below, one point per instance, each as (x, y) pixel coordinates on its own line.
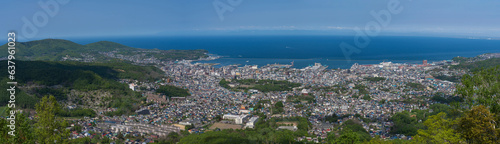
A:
(62, 79)
(173, 91)
(477, 65)
(58, 49)
(261, 85)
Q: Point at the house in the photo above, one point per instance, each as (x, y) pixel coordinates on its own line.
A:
(305, 92)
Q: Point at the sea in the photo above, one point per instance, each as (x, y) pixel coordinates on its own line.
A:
(307, 50)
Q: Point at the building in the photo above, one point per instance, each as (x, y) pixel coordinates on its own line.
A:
(177, 98)
(238, 119)
(292, 128)
(185, 123)
(305, 91)
(121, 128)
(132, 86)
(251, 122)
(244, 111)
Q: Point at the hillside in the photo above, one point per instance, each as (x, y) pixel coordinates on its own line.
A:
(62, 50)
(91, 85)
(478, 65)
(106, 46)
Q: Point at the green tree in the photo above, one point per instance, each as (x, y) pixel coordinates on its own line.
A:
(405, 124)
(4, 136)
(376, 140)
(439, 130)
(24, 132)
(355, 126)
(173, 91)
(367, 97)
(331, 137)
(48, 127)
(348, 137)
(482, 88)
(479, 126)
(279, 104)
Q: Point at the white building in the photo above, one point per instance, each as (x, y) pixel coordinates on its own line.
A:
(292, 128)
(121, 128)
(185, 123)
(244, 111)
(237, 118)
(131, 86)
(251, 122)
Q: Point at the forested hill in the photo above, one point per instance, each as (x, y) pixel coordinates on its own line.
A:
(78, 83)
(58, 50)
(478, 65)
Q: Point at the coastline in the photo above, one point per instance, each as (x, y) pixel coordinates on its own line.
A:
(300, 63)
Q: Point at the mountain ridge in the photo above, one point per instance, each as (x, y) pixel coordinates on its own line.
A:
(62, 50)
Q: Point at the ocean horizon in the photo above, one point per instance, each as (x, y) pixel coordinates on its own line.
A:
(307, 50)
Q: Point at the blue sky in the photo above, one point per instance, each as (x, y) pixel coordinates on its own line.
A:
(93, 18)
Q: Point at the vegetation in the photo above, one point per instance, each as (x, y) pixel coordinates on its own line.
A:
(81, 76)
(353, 126)
(173, 91)
(482, 88)
(416, 86)
(440, 97)
(23, 100)
(478, 65)
(225, 84)
(479, 126)
(405, 124)
(278, 107)
(264, 132)
(375, 79)
(48, 127)
(335, 88)
(79, 112)
(24, 130)
(261, 85)
(301, 98)
(455, 123)
(453, 78)
(461, 59)
(439, 130)
(45, 128)
(362, 89)
(352, 132)
(367, 97)
(56, 49)
(58, 78)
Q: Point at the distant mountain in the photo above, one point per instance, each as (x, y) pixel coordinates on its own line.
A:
(62, 50)
(105, 46)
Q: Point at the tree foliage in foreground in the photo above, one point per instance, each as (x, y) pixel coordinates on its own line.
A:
(405, 124)
(24, 130)
(482, 88)
(45, 128)
(479, 126)
(439, 130)
(49, 128)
